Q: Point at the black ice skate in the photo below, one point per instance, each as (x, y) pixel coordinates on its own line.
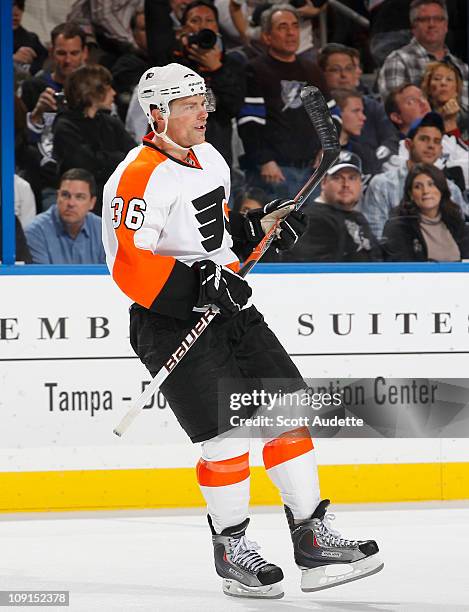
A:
(324, 557)
(245, 573)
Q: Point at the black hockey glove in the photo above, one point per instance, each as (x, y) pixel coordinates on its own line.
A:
(260, 220)
(290, 230)
(221, 287)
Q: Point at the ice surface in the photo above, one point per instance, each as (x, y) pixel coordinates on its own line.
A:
(162, 561)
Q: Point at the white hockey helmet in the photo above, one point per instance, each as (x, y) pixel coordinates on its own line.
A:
(161, 84)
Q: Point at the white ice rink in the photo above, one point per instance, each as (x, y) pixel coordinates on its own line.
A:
(155, 561)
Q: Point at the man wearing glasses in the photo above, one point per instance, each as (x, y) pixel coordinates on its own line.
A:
(68, 232)
(341, 69)
(429, 23)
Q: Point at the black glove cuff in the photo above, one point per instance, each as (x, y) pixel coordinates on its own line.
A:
(252, 225)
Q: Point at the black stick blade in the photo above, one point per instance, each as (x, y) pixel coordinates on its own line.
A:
(316, 107)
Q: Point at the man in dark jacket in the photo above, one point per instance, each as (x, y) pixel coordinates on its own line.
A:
(277, 135)
(68, 53)
(28, 52)
(341, 72)
(336, 231)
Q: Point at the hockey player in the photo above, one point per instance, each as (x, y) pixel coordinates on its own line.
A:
(166, 233)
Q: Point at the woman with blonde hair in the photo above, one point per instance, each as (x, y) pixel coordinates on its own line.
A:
(442, 84)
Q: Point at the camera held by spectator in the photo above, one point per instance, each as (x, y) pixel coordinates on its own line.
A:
(205, 39)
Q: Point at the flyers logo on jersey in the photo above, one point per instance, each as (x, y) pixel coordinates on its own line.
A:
(210, 215)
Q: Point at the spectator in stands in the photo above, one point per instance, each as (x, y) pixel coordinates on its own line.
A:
(245, 15)
(385, 190)
(68, 52)
(68, 232)
(85, 135)
(442, 84)
(405, 106)
(223, 74)
(130, 66)
(110, 21)
(349, 110)
(22, 250)
(28, 52)
(279, 141)
(427, 225)
(429, 22)
(341, 68)
(336, 231)
(249, 199)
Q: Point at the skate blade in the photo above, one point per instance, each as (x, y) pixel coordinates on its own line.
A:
(328, 576)
(233, 588)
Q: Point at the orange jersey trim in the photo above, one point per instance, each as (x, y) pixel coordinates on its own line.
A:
(139, 273)
(287, 446)
(222, 473)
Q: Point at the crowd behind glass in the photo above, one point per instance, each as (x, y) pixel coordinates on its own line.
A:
(398, 93)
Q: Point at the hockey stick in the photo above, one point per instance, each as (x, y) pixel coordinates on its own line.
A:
(319, 114)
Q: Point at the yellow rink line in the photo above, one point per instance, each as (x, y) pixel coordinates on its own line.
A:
(177, 487)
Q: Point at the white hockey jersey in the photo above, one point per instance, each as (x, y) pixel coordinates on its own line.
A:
(160, 215)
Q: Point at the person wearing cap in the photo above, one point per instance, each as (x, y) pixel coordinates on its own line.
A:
(336, 230)
(385, 190)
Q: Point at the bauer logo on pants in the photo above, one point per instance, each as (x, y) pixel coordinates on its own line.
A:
(190, 339)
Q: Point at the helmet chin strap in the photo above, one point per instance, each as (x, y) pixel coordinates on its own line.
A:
(166, 138)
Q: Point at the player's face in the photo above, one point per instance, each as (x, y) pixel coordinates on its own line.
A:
(412, 105)
(341, 71)
(353, 117)
(342, 188)
(68, 55)
(188, 120)
(425, 147)
(426, 195)
(430, 26)
(284, 38)
(443, 85)
(74, 202)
